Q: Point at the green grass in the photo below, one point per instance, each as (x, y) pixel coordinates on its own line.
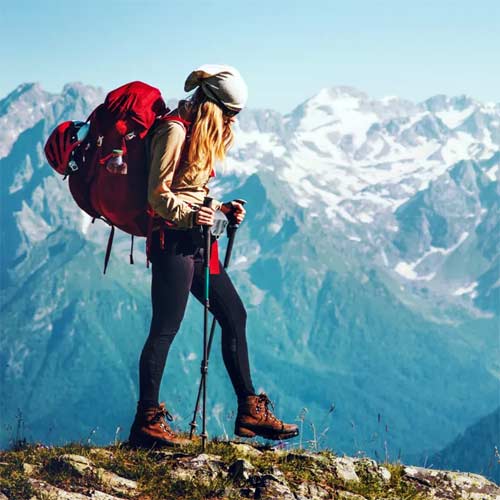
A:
(373, 487)
(13, 480)
(155, 472)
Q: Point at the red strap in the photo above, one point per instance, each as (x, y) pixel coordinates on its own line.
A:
(176, 118)
(214, 251)
(104, 159)
(108, 248)
(123, 147)
(214, 258)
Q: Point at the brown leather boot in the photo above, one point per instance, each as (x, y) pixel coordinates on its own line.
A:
(150, 429)
(255, 418)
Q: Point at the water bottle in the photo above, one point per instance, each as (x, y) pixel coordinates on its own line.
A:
(115, 164)
(82, 129)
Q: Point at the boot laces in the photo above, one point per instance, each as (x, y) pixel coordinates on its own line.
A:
(264, 400)
(161, 416)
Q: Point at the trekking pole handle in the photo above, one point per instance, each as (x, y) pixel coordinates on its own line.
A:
(207, 202)
(230, 216)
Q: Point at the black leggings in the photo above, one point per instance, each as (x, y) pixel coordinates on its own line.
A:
(177, 269)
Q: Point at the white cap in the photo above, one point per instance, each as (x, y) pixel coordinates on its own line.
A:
(220, 82)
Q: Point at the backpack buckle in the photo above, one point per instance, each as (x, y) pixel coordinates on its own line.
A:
(73, 166)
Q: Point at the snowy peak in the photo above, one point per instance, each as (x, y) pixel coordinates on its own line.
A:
(326, 107)
(342, 92)
(348, 127)
(21, 109)
(335, 101)
(442, 102)
(78, 90)
(337, 117)
(452, 111)
(344, 105)
(26, 93)
(411, 184)
(29, 103)
(337, 98)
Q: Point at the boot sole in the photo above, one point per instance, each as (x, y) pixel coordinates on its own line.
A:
(276, 436)
(150, 442)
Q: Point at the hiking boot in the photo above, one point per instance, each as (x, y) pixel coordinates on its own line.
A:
(150, 428)
(255, 418)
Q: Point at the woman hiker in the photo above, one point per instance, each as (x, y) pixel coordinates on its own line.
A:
(183, 152)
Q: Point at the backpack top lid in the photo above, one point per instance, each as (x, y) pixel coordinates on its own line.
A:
(137, 102)
(132, 107)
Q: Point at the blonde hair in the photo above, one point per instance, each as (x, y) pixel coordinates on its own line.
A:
(211, 136)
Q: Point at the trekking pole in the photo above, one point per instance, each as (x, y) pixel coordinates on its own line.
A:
(204, 365)
(231, 233)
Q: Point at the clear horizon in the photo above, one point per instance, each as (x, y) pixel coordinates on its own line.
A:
(58, 91)
(287, 51)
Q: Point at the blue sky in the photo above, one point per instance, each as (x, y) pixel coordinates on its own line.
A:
(286, 50)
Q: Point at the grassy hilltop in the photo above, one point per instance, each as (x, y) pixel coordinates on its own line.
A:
(228, 470)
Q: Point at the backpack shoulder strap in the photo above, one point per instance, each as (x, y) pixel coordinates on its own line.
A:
(178, 119)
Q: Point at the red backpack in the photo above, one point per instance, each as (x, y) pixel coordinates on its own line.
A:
(106, 161)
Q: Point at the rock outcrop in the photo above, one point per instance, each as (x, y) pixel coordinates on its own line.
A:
(228, 470)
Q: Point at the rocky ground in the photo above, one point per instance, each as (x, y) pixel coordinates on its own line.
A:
(228, 470)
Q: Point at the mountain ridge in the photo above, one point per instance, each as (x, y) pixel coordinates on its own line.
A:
(388, 254)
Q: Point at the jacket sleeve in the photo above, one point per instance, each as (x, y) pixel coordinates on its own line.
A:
(216, 204)
(166, 149)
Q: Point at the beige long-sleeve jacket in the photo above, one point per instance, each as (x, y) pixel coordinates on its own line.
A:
(173, 187)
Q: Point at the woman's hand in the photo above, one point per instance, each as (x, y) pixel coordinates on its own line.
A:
(204, 216)
(234, 209)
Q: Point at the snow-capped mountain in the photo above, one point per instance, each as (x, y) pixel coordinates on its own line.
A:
(29, 103)
(383, 174)
(368, 263)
